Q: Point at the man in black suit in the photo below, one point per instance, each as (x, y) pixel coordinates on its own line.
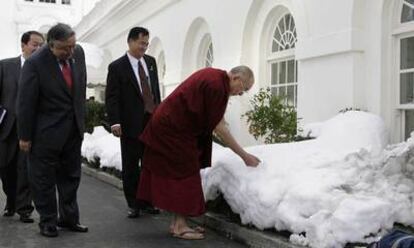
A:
(50, 124)
(132, 92)
(13, 166)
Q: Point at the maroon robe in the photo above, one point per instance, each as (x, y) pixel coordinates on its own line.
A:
(178, 141)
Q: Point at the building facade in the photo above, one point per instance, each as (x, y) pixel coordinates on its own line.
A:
(323, 55)
(19, 16)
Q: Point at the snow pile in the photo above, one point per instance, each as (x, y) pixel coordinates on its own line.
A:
(103, 145)
(341, 187)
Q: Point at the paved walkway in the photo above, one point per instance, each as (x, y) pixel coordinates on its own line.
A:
(103, 210)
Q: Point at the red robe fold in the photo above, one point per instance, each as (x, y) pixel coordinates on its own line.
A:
(179, 132)
(178, 142)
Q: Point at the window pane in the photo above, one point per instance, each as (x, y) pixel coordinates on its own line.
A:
(406, 88)
(409, 122)
(274, 74)
(66, 2)
(282, 25)
(291, 71)
(274, 91)
(291, 95)
(410, 1)
(296, 71)
(275, 47)
(282, 91)
(296, 96)
(276, 37)
(407, 14)
(282, 73)
(407, 53)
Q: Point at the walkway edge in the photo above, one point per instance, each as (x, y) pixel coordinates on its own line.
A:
(102, 176)
(250, 237)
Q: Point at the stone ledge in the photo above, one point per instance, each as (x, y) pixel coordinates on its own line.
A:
(251, 237)
(102, 176)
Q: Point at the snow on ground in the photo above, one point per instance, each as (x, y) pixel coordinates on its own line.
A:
(343, 186)
(103, 145)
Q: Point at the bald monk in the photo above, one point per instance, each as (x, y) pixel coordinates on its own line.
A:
(178, 141)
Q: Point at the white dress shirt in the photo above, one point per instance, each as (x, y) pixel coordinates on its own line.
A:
(135, 68)
(22, 60)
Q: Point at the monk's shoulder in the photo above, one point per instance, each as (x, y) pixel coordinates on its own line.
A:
(213, 78)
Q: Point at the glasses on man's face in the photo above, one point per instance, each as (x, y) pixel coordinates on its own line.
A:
(243, 87)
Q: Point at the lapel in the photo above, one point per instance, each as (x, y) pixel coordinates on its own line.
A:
(131, 75)
(18, 64)
(56, 72)
(75, 76)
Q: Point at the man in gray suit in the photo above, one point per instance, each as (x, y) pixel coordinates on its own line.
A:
(13, 166)
(50, 125)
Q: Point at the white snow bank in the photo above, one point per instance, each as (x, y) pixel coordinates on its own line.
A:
(103, 145)
(338, 188)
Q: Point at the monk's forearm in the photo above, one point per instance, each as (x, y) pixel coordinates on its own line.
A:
(224, 133)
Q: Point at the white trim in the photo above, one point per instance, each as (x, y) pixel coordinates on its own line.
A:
(409, 106)
(280, 56)
(407, 70)
(408, 4)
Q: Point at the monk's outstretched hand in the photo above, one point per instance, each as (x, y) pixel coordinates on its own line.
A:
(251, 160)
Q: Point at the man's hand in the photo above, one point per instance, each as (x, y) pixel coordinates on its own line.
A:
(116, 130)
(251, 160)
(25, 145)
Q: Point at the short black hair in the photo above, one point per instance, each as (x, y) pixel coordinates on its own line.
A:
(136, 31)
(26, 36)
(60, 32)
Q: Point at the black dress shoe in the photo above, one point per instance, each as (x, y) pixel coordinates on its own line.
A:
(26, 218)
(49, 231)
(74, 228)
(8, 212)
(133, 213)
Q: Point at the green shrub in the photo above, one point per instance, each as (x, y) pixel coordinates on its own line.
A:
(270, 118)
(95, 115)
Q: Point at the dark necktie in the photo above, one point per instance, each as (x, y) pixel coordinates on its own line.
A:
(67, 73)
(146, 92)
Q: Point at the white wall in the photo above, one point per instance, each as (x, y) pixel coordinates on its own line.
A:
(19, 16)
(8, 30)
(339, 48)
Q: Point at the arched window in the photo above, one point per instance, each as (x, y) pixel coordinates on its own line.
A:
(161, 72)
(405, 52)
(281, 60)
(206, 54)
(209, 56)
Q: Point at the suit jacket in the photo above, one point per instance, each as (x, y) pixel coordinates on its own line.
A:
(124, 102)
(9, 77)
(46, 109)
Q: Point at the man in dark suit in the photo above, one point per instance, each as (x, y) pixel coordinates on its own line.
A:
(50, 124)
(13, 166)
(132, 92)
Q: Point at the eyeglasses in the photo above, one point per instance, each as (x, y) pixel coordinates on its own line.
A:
(243, 87)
